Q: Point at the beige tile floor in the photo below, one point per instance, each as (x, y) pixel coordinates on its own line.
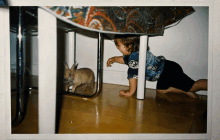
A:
(109, 113)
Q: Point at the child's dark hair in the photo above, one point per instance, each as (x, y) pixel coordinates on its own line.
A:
(127, 40)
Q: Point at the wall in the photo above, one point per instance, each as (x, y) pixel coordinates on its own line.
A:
(186, 43)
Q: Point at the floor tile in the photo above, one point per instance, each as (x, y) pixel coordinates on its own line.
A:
(105, 124)
(146, 128)
(180, 124)
(109, 113)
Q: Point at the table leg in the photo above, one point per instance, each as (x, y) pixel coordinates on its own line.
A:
(71, 48)
(47, 40)
(19, 116)
(141, 66)
(99, 70)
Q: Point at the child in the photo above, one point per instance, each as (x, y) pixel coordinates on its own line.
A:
(168, 74)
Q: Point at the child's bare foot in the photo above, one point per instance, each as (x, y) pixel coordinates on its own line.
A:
(192, 94)
(163, 95)
(125, 93)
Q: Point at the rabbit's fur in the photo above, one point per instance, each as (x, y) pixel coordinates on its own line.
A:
(76, 77)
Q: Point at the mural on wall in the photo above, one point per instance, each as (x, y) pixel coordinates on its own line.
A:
(142, 20)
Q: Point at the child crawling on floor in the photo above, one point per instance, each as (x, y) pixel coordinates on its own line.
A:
(168, 74)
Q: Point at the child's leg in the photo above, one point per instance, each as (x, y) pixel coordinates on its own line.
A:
(161, 91)
(175, 90)
(173, 76)
(189, 93)
(162, 94)
(199, 85)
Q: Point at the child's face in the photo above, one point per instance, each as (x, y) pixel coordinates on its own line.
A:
(121, 47)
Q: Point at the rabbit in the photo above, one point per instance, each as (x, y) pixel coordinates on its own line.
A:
(76, 77)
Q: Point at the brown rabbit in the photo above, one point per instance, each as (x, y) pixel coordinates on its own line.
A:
(76, 77)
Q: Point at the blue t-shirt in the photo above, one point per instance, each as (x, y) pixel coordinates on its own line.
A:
(154, 65)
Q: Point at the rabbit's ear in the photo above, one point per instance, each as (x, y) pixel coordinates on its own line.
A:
(66, 66)
(73, 67)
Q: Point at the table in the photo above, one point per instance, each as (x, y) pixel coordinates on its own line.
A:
(144, 21)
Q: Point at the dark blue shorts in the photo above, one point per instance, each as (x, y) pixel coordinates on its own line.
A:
(173, 76)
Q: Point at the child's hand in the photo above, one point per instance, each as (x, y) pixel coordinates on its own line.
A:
(125, 93)
(110, 61)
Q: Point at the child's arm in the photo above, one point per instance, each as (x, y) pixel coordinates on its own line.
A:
(117, 59)
(132, 88)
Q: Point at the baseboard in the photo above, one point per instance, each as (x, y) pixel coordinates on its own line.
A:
(117, 77)
(120, 77)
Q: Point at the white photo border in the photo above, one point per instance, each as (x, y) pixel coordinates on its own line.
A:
(213, 68)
